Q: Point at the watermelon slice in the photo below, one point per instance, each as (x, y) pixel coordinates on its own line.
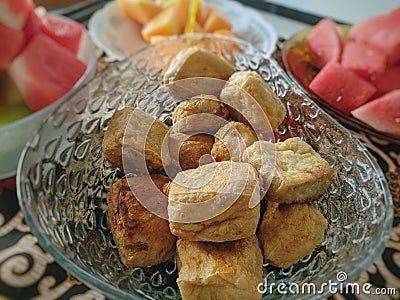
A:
(11, 43)
(389, 80)
(380, 32)
(66, 33)
(382, 114)
(32, 25)
(45, 71)
(13, 13)
(341, 88)
(363, 60)
(325, 42)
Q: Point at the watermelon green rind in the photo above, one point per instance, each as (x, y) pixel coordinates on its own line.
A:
(383, 113)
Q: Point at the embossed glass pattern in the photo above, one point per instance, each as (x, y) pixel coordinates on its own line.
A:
(63, 178)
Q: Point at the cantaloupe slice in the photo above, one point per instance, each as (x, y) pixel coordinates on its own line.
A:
(202, 13)
(141, 11)
(216, 21)
(170, 21)
(197, 27)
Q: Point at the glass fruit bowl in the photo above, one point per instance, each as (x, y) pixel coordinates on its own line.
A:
(301, 68)
(63, 178)
(18, 132)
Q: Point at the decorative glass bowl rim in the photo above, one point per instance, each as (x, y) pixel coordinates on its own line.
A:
(114, 292)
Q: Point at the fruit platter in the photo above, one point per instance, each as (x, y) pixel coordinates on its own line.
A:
(43, 59)
(148, 22)
(352, 71)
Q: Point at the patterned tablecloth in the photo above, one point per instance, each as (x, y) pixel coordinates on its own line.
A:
(28, 272)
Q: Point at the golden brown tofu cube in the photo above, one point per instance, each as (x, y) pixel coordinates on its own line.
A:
(300, 174)
(251, 82)
(142, 238)
(198, 62)
(232, 141)
(219, 271)
(130, 134)
(216, 202)
(290, 232)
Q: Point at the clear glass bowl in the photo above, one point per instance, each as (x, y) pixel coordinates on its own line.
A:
(63, 178)
(302, 69)
(18, 133)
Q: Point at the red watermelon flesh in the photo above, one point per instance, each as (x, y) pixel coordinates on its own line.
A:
(382, 33)
(363, 60)
(13, 13)
(45, 71)
(67, 34)
(325, 42)
(388, 81)
(32, 25)
(383, 113)
(341, 88)
(11, 43)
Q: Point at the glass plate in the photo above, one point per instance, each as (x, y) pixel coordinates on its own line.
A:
(118, 36)
(302, 69)
(63, 178)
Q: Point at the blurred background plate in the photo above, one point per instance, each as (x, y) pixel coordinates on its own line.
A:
(118, 36)
(15, 135)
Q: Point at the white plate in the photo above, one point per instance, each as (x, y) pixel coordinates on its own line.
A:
(118, 36)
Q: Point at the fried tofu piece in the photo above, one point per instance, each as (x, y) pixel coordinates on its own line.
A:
(142, 238)
(130, 134)
(198, 62)
(232, 141)
(219, 271)
(189, 115)
(186, 151)
(243, 108)
(300, 175)
(290, 233)
(216, 202)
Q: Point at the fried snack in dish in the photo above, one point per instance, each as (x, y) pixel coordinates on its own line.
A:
(290, 233)
(142, 238)
(216, 202)
(300, 175)
(185, 119)
(129, 131)
(198, 62)
(185, 151)
(252, 83)
(232, 141)
(230, 270)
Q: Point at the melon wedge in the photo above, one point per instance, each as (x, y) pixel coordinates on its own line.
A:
(11, 43)
(44, 71)
(325, 42)
(380, 32)
(215, 21)
(389, 80)
(32, 25)
(13, 13)
(363, 60)
(341, 88)
(202, 13)
(197, 27)
(170, 21)
(383, 113)
(66, 33)
(141, 11)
